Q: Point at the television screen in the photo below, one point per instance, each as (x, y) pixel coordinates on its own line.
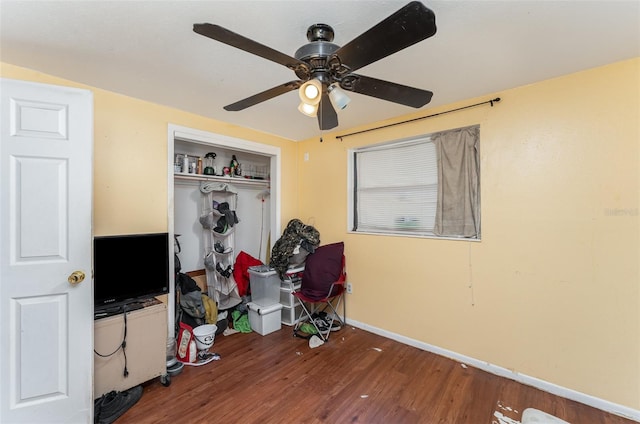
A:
(130, 267)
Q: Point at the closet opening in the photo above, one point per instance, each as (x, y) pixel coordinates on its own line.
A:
(255, 192)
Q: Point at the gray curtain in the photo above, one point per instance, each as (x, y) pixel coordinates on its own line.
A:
(458, 210)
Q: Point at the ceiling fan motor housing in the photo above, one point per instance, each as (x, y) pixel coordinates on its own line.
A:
(320, 32)
(317, 52)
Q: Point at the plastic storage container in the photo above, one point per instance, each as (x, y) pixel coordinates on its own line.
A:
(264, 320)
(265, 285)
(290, 315)
(286, 298)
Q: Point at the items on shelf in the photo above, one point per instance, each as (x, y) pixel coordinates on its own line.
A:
(234, 167)
(209, 164)
(185, 164)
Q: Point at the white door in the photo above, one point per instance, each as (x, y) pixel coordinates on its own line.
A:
(46, 311)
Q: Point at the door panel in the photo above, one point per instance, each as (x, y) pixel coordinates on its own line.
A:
(38, 119)
(46, 318)
(39, 378)
(43, 231)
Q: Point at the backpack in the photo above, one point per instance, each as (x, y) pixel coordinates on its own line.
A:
(192, 310)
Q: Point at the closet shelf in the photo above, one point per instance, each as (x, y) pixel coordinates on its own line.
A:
(196, 178)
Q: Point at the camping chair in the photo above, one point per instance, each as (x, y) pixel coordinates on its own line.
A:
(322, 311)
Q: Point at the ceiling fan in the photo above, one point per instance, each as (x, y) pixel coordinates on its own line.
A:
(326, 66)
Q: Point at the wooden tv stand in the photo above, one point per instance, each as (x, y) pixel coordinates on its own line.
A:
(146, 349)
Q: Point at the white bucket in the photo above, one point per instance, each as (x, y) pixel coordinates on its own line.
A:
(204, 335)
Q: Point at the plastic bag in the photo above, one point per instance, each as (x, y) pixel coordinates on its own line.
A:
(185, 347)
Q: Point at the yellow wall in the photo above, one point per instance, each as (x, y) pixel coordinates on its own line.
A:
(130, 157)
(552, 290)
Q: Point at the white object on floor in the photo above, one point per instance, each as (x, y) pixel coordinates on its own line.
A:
(205, 335)
(229, 331)
(502, 419)
(315, 341)
(203, 359)
(534, 416)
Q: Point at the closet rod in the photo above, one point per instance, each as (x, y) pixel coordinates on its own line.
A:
(491, 102)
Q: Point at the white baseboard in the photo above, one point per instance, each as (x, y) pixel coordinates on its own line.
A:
(613, 408)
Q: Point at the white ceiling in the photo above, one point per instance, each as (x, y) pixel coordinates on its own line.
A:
(148, 50)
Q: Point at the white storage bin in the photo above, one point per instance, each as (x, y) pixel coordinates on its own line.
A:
(286, 298)
(265, 285)
(264, 319)
(290, 315)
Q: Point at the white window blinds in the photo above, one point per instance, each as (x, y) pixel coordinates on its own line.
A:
(396, 188)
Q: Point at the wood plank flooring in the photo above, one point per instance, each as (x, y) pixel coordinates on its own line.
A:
(356, 377)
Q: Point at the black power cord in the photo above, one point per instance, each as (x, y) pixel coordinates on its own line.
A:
(122, 345)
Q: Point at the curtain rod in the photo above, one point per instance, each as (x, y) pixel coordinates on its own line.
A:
(496, 100)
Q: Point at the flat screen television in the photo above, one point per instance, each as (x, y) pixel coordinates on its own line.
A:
(129, 268)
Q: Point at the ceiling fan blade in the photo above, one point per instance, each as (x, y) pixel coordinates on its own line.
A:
(409, 25)
(327, 116)
(265, 95)
(389, 91)
(218, 33)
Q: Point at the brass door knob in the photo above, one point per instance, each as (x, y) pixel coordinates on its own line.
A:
(76, 277)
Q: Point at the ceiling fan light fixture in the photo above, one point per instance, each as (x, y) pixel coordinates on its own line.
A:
(309, 110)
(311, 92)
(338, 97)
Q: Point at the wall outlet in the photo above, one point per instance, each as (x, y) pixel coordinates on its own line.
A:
(349, 288)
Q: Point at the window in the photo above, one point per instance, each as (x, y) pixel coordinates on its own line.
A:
(424, 186)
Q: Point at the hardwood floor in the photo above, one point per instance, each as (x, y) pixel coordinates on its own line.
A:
(356, 377)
